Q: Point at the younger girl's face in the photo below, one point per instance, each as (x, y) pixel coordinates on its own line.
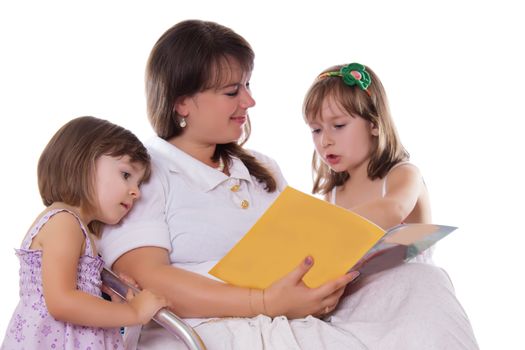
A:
(343, 141)
(218, 115)
(117, 182)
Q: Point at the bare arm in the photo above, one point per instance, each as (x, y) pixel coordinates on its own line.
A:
(193, 295)
(61, 242)
(403, 189)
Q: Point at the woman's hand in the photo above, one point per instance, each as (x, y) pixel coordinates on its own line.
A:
(290, 297)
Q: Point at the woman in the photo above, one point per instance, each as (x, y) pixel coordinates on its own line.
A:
(206, 191)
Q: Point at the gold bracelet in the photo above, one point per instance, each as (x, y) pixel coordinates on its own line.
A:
(264, 304)
(250, 302)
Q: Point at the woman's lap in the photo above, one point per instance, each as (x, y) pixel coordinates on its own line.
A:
(410, 307)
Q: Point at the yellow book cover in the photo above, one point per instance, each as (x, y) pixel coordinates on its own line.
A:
(294, 226)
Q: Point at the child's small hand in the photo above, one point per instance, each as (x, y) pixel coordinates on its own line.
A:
(114, 296)
(145, 304)
(130, 281)
(127, 279)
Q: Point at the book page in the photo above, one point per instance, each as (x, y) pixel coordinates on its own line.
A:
(407, 234)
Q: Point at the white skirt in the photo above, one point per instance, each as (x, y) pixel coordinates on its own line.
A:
(412, 306)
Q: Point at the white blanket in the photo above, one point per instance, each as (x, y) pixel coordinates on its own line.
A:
(409, 307)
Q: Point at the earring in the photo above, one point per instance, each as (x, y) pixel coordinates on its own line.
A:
(182, 122)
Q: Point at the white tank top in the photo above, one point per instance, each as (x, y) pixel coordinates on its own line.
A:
(383, 190)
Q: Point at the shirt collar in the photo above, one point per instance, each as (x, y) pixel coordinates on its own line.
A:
(199, 174)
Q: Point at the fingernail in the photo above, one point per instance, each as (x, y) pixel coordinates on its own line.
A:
(309, 260)
(355, 274)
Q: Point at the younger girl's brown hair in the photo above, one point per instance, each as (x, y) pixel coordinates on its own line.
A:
(66, 168)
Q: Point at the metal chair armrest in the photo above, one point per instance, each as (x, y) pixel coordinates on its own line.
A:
(163, 317)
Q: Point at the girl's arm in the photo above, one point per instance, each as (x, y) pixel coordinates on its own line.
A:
(193, 295)
(61, 240)
(402, 192)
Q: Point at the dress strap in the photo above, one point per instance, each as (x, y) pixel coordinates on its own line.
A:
(45, 218)
(332, 195)
(383, 193)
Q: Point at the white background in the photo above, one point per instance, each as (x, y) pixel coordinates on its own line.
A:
(453, 71)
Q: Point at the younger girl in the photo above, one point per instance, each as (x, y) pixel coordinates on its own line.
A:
(88, 175)
(359, 162)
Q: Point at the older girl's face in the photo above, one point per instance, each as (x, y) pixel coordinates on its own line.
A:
(343, 141)
(217, 115)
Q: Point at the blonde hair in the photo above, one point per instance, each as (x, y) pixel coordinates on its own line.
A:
(191, 57)
(371, 105)
(66, 168)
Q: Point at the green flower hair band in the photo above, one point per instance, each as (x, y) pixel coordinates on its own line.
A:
(352, 74)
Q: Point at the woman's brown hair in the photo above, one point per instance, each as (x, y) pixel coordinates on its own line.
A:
(189, 58)
(371, 105)
(66, 168)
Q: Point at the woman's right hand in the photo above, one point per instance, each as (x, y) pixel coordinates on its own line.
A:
(145, 305)
(292, 298)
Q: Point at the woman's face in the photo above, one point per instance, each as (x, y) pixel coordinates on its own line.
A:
(218, 115)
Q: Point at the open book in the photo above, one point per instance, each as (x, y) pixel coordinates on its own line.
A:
(297, 225)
